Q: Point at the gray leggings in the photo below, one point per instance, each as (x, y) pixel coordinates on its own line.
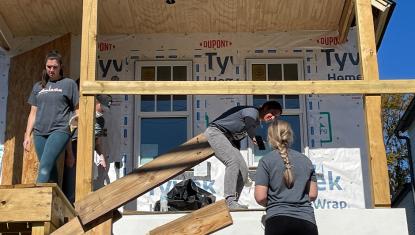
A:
(236, 172)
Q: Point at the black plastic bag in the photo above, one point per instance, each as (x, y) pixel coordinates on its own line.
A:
(187, 196)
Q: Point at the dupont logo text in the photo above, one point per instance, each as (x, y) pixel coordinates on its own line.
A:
(215, 43)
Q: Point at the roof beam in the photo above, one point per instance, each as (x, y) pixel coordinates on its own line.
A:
(6, 36)
(247, 87)
(346, 20)
(384, 8)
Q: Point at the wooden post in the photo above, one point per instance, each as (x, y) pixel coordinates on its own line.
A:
(87, 109)
(206, 220)
(372, 105)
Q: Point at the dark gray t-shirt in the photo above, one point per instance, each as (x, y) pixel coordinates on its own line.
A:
(292, 202)
(98, 130)
(54, 105)
(239, 121)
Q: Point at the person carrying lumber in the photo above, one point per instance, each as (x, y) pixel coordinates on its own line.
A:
(224, 135)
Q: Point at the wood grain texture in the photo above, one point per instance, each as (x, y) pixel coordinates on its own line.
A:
(248, 87)
(372, 105)
(25, 204)
(100, 226)
(346, 20)
(55, 17)
(143, 179)
(206, 220)
(86, 104)
(34, 203)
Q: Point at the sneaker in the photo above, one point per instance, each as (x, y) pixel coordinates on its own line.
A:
(234, 205)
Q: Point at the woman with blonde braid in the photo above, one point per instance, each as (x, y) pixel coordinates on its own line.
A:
(285, 183)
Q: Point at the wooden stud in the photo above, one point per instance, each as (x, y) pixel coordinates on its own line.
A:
(372, 104)
(248, 87)
(87, 108)
(143, 179)
(86, 104)
(346, 20)
(206, 220)
(38, 228)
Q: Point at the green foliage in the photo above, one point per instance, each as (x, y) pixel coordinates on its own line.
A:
(393, 107)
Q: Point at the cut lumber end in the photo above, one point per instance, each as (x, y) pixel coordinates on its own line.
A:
(206, 220)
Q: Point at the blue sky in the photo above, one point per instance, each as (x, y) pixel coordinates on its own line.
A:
(396, 55)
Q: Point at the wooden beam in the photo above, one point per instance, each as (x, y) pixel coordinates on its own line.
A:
(86, 103)
(6, 36)
(381, 21)
(346, 20)
(372, 104)
(206, 220)
(25, 204)
(75, 227)
(42, 228)
(87, 109)
(143, 179)
(248, 87)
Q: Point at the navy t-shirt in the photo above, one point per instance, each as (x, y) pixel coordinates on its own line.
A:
(292, 202)
(54, 105)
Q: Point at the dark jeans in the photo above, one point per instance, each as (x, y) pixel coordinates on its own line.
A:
(69, 177)
(48, 149)
(285, 225)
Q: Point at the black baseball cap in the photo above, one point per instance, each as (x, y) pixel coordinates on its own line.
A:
(105, 101)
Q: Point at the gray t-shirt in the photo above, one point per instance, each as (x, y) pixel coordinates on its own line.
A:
(292, 202)
(54, 105)
(239, 121)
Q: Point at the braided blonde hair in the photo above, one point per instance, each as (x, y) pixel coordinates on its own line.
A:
(280, 136)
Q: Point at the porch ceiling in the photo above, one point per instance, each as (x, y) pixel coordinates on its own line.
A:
(28, 18)
(54, 17)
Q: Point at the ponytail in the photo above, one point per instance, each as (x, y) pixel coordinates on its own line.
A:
(280, 136)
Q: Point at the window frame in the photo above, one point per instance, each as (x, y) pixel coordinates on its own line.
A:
(139, 115)
(301, 111)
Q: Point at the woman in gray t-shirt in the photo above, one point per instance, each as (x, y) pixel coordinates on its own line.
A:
(52, 100)
(285, 183)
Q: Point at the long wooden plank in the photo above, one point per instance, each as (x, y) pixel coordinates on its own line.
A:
(369, 70)
(249, 87)
(143, 179)
(86, 104)
(99, 226)
(206, 220)
(87, 108)
(25, 204)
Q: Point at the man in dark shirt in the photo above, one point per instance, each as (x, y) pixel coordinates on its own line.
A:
(224, 135)
(103, 103)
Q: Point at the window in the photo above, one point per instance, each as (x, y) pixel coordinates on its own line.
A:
(293, 105)
(163, 121)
